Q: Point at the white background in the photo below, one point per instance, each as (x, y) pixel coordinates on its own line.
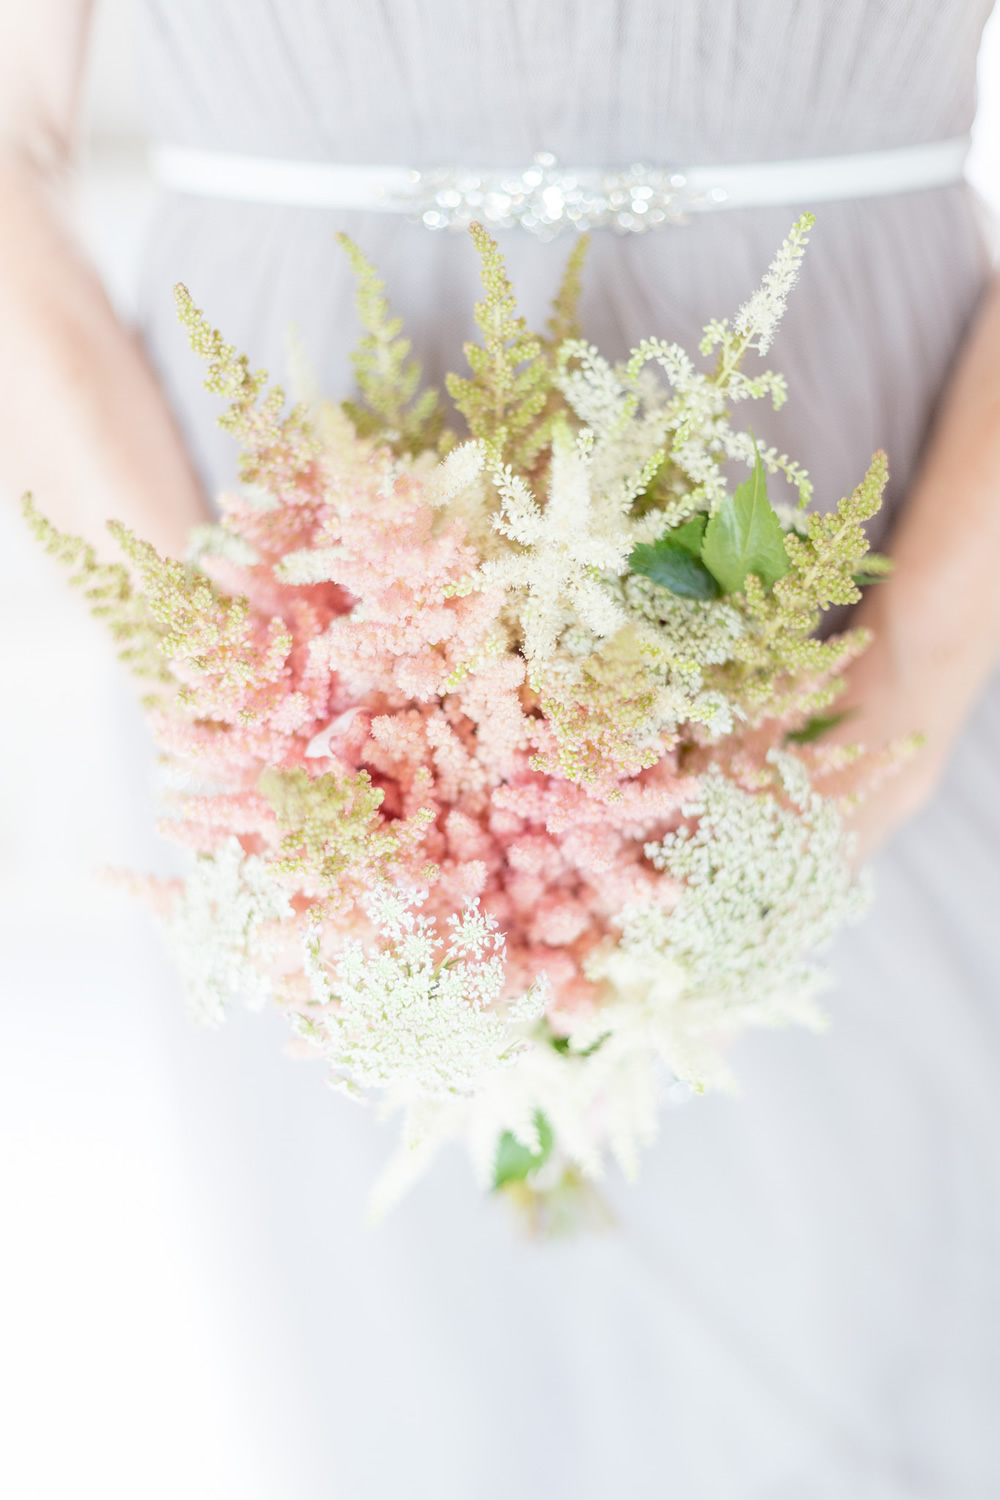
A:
(118, 1376)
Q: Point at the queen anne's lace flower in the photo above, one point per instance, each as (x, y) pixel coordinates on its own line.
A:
(222, 930)
(415, 1008)
(764, 886)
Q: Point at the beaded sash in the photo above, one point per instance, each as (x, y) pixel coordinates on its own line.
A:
(547, 198)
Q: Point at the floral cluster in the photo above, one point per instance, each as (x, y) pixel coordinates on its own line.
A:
(496, 750)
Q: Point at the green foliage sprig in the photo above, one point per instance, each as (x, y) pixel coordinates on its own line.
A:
(209, 631)
(112, 596)
(162, 611)
(778, 659)
(393, 406)
(564, 320)
(276, 450)
(333, 835)
(328, 822)
(511, 374)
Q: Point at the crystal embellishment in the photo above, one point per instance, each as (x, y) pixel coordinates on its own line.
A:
(547, 199)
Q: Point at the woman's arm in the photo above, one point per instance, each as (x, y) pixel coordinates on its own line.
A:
(83, 423)
(937, 618)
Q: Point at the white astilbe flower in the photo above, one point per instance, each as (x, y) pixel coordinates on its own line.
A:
(219, 930)
(417, 1009)
(212, 540)
(694, 421)
(595, 389)
(608, 1099)
(743, 387)
(742, 446)
(632, 420)
(456, 473)
(310, 565)
(626, 416)
(691, 632)
(257, 496)
(757, 320)
(683, 636)
(655, 1012)
(764, 886)
(565, 546)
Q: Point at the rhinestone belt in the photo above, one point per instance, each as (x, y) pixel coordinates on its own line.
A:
(547, 198)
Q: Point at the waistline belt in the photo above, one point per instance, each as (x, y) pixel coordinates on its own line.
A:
(547, 197)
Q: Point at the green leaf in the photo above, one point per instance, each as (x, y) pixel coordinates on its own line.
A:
(745, 536)
(691, 535)
(815, 728)
(514, 1162)
(673, 564)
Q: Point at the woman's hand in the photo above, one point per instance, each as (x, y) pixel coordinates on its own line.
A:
(83, 422)
(936, 619)
(887, 717)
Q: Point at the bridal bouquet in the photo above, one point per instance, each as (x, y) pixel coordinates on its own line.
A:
(496, 750)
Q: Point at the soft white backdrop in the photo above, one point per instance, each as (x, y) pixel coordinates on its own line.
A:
(120, 1375)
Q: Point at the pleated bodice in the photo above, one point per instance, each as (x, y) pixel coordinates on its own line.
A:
(426, 82)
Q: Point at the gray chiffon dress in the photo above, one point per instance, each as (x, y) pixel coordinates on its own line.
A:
(802, 1297)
